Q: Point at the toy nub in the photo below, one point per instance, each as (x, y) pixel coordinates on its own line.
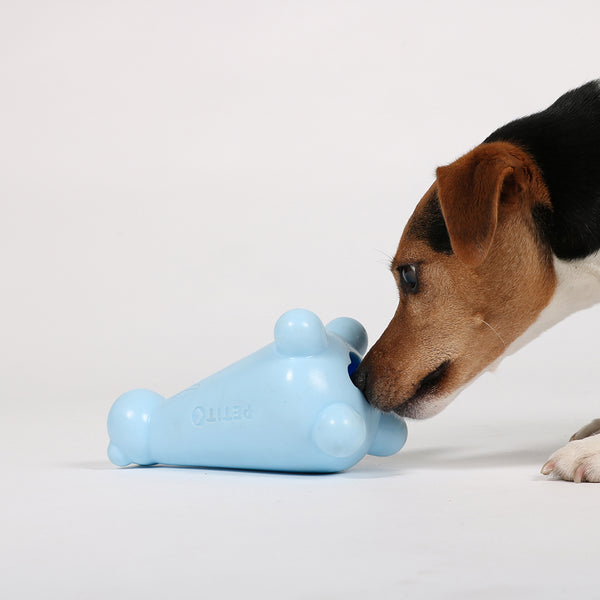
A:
(290, 406)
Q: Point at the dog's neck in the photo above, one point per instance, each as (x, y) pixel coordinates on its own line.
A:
(564, 140)
(577, 288)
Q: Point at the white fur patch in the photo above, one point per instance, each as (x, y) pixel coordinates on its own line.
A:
(577, 288)
(429, 407)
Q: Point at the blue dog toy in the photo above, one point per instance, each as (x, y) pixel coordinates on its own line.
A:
(291, 406)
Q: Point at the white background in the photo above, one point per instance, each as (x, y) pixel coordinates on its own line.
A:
(175, 175)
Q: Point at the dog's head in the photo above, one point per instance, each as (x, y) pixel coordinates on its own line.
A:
(473, 271)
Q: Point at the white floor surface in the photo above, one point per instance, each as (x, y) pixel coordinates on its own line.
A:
(460, 512)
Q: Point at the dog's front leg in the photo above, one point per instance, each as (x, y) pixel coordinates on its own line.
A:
(579, 460)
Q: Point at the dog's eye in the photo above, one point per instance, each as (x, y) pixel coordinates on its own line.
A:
(409, 280)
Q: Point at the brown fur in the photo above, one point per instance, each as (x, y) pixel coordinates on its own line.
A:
(471, 303)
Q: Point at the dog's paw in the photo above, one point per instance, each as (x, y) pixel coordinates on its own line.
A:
(578, 461)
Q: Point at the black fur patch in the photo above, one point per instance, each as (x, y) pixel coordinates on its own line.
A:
(429, 225)
(564, 140)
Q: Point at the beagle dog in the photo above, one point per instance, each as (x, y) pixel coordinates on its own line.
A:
(503, 245)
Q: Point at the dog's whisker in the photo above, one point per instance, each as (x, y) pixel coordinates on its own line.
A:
(390, 259)
(497, 334)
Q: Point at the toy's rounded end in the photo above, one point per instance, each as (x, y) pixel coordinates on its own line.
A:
(351, 331)
(128, 427)
(390, 435)
(339, 431)
(117, 457)
(299, 332)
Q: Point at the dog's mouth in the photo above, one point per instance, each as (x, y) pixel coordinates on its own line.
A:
(428, 385)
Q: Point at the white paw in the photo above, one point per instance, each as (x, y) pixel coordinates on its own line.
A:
(578, 461)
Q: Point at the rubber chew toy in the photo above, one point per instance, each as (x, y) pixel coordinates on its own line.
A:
(291, 406)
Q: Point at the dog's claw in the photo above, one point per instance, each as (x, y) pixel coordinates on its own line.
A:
(548, 467)
(579, 474)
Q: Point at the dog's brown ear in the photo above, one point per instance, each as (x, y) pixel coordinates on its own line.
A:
(470, 190)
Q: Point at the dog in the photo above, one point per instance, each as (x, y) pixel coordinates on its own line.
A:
(502, 246)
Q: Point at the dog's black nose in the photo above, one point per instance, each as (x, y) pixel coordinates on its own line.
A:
(359, 378)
